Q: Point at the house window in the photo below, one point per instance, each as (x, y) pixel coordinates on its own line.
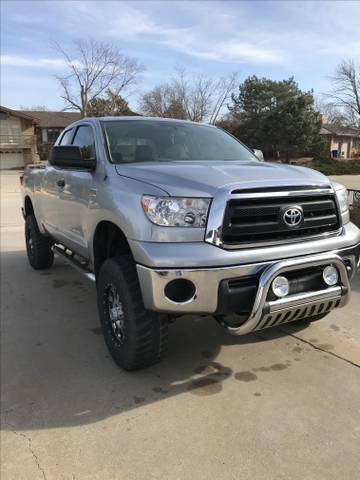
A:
(10, 132)
(3, 116)
(50, 135)
(357, 142)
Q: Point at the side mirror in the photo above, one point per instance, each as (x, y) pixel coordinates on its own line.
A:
(258, 154)
(70, 156)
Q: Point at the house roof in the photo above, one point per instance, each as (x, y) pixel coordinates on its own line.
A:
(339, 130)
(19, 114)
(53, 119)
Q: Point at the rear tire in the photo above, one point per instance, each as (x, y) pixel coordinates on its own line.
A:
(38, 246)
(136, 338)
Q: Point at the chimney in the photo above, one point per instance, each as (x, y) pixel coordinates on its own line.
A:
(322, 117)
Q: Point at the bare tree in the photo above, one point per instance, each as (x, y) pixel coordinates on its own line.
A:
(199, 98)
(36, 108)
(332, 113)
(345, 93)
(94, 68)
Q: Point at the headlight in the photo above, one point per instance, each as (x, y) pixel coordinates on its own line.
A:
(176, 212)
(343, 199)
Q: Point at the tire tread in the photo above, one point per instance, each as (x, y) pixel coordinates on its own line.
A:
(146, 331)
(42, 257)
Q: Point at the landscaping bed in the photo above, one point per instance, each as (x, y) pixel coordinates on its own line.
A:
(332, 166)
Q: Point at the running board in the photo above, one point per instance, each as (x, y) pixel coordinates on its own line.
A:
(60, 252)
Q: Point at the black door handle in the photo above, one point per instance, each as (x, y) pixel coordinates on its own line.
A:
(60, 183)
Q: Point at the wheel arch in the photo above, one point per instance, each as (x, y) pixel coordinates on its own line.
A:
(109, 241)
(28, 206)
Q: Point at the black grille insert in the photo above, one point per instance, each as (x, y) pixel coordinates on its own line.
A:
(262, 220)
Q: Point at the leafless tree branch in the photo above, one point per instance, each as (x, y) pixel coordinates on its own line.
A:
(94, 68)
(199, 98)
(345, 92)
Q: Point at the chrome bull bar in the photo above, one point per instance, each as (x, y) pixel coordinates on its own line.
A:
(269, 313)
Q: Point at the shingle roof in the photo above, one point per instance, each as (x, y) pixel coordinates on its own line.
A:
(339, 130)
(19, 113)
(52, 119)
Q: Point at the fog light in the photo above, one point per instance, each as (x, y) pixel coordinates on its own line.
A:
(330, 275)
(280, 287)
(180, 291)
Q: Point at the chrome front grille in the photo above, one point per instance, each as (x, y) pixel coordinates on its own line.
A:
(261, 220)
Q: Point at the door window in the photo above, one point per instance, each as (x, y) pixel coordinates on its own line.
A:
(66, 138)
(84, 139)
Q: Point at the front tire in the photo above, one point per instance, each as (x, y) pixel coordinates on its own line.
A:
(136, 338)
(38, 247)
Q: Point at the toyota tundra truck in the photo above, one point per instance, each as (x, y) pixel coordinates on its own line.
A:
(173, 217)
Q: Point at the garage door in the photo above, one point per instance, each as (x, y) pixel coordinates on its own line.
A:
(11, 159)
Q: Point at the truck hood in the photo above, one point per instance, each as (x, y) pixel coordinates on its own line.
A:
(202, 179)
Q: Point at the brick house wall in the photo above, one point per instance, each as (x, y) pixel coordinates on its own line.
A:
(48, 127)
(344, 139)
(17, 142)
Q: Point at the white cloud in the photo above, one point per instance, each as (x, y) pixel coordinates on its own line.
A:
(275, 39)
(16, 61)
(210, 35)
(270, 33)
(228, 51)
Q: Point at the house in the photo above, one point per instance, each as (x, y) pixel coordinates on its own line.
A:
(342, 141)
(49, 127)
(17, 139)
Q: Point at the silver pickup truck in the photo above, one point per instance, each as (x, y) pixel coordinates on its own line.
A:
(171, 217)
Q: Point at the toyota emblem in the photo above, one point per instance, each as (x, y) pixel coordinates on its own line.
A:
(293, 217)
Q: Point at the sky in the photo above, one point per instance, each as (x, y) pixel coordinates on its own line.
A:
(272, 39)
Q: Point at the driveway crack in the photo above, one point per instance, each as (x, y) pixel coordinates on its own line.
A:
(29, 443)
(319, 348)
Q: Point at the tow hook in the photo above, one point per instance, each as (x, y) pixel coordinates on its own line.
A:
(221, 321)
(171, 319)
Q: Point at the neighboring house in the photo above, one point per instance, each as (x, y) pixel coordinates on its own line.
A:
(49, 127)
(17, 139)
(342, 139)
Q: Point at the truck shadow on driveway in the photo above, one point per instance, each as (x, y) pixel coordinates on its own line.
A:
(57, 372)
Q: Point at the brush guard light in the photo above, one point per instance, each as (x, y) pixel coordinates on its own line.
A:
(330, 275)
(281, 286)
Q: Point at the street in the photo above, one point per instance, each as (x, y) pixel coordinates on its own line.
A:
(282, 403)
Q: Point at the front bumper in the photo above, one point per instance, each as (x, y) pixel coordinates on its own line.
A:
(265, 312)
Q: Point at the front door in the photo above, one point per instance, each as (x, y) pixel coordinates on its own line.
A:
(344, 152)
(74, 195)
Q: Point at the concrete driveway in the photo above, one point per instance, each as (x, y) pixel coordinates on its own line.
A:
(279, 404)
(351, 182)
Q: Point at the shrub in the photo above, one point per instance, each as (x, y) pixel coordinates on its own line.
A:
(332, 166)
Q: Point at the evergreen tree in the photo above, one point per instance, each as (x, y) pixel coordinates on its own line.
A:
(275, 116)
(112, 105)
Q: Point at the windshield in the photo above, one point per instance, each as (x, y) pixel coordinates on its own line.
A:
(131, 141)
